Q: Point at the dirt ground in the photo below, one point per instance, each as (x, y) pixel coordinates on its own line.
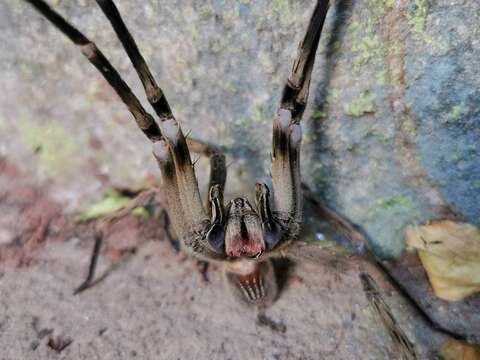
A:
(154, 303)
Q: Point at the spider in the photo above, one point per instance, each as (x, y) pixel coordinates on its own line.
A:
(241, 234)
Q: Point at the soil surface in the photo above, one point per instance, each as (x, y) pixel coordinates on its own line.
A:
(154, 303)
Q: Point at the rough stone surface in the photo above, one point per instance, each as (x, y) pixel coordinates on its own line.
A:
(391, 128)
(390, 131)
(390, 138)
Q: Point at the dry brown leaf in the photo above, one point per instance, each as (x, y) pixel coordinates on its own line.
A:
(450, 254)
(457, 350)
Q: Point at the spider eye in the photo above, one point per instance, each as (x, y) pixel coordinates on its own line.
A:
(216, 238)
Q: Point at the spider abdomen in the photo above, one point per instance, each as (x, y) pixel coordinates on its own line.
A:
(252, 282)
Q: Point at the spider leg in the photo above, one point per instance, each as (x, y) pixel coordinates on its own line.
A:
(400, 340)
(172, 153)
(295, 93)
(170, 186)
(287, 136)
(218, 167)
(144, 120)
(216, 186)
(154, 94)
(198, 233)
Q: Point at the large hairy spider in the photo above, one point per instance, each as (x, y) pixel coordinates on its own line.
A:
(240, 234)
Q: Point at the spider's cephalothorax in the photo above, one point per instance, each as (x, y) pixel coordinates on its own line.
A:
(238, 235)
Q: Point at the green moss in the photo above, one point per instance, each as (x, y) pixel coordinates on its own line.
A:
(418, 20)
(391, 205)
(229, 87)
(282, 10)
(355, 26)
(381, 77)
(418, 16)
(379, 136)
(205, 12)
(55, 147)
(409, 127)
(193, 33)
(261, 115)
(333, 96)
(457, 111)
(320, 180)
(361, 106)
(318, 114)
(383, 5)
(309, 138)
(367, 48)
(266, 62)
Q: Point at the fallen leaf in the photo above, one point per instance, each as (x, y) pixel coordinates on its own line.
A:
(450, 254)
(112, 201)
(458, 350)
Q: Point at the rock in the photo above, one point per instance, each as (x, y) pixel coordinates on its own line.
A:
(391, 127)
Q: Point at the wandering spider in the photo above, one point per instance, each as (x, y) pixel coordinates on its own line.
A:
(241, 236)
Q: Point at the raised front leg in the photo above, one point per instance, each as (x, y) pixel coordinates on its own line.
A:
(200, 233)
(287, 137)
(284, 222)
(144, 120)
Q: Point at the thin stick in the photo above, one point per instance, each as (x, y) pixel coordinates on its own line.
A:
(144, 120)
(144, 198)
(154, 94)
(93, 264)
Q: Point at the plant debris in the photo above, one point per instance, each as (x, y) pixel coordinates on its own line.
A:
(450, 254)
(111, 202)
(454, 350)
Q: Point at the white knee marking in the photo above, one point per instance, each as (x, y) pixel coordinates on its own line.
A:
(296, 134)
(170, 129)
(284, 117)
(89, 50)
(160, 150)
